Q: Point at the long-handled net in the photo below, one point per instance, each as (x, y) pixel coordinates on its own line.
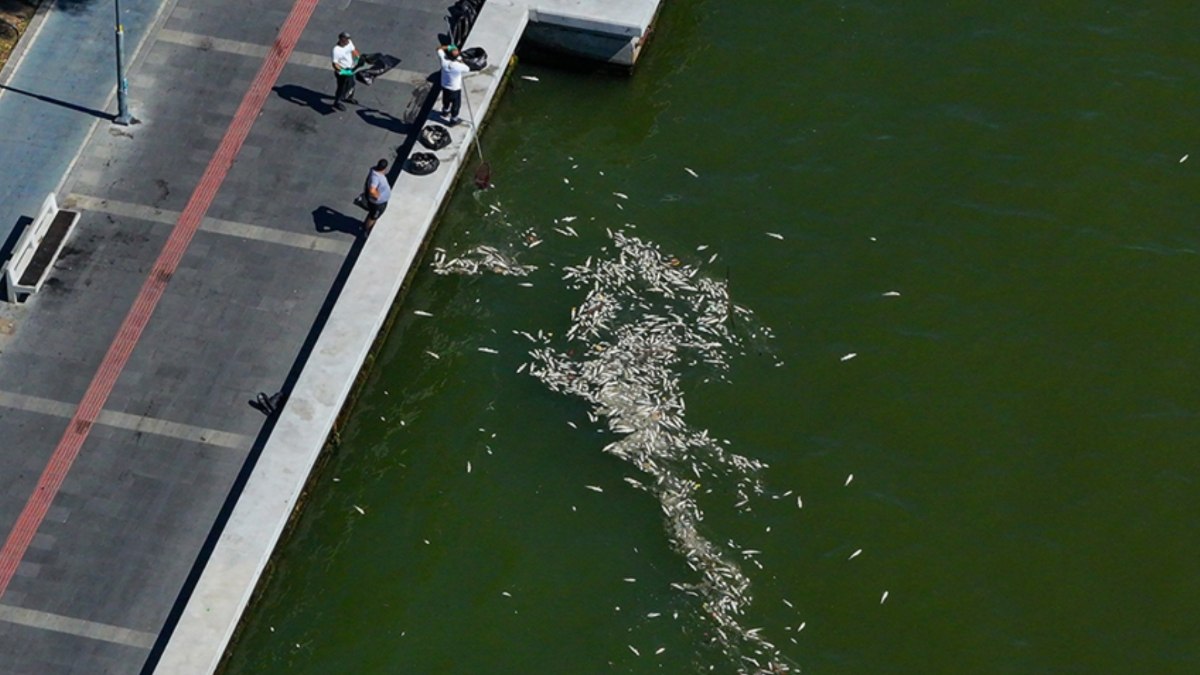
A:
(483, 174)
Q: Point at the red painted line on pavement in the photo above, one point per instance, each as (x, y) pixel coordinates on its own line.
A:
(152, 291)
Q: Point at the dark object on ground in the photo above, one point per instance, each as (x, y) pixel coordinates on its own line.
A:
(475, 58)
(361, 201)
(8, 30)
(435, 136)
(423, 163)
(267, 405)
(462, 17)
(373, 65)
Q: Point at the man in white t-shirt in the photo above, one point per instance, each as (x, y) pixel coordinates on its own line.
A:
(345, 57)
(452, 74)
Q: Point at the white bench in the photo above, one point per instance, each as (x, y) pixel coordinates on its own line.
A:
(38, 248)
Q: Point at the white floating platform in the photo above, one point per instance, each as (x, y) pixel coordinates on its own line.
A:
(611, 31)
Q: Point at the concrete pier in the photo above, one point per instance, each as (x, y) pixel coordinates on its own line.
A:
(611, 31)
(217, 255)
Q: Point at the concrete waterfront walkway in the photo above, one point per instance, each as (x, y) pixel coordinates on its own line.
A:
(124, 383)
(217, 257)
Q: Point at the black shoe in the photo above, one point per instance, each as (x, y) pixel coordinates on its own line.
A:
(454, 122)
(352, 101)
(339, 106)
(264, 403)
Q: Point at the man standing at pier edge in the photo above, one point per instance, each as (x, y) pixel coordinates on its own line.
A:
(378, 192)
(452, 72)
(345, 57)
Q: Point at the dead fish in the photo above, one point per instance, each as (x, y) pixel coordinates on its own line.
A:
(634, 650)
(468, 466)
(1183, 159)
(594, 488)
(849, 356)
(884, 598)
(849, 478)
(530, 78)
(630, 580)
(433, 354)
(693, 173)
(775, 235)
(488, 350)
(568, 219)
(526, 284)
(360, 510)
(506, 594)
(622, 195)
(892, 294)
(799, 502)
(419, 312)
(659, 650)
(855, 554)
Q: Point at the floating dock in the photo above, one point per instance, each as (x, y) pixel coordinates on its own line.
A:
(611, 32)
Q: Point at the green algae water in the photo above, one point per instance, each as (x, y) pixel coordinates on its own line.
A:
(980, 380)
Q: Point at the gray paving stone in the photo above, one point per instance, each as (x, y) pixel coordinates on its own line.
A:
(31, 651)
(116, 558)
(125, 529)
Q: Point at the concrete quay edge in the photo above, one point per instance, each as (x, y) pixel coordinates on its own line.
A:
(630, 18)
(265, 506)
(230, 577)
(611, 32)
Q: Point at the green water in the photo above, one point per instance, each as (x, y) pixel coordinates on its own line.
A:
(1020, 422)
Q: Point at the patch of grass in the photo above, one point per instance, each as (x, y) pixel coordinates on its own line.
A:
(14, 18)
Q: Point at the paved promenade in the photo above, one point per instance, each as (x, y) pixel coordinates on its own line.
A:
(217, 256)
(214, 241)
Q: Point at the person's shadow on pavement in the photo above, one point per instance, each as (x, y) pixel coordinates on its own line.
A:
(385, 121)
(305, 97)
(326, 219)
